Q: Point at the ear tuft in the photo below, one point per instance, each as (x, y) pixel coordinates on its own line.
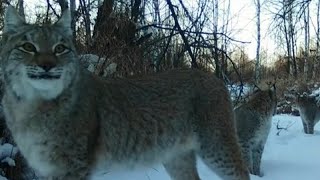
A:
(12, 20)
(65, 22)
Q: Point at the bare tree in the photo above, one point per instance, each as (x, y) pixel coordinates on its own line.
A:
(181, 32)
(225, 29)
(135, 10)
(156, 6)
(215, 38)
(306, 17)
(289, 7)
(73, 12)
(21, 8)
(316, 64)
(86, 8)
(258, 64)
(284, 26)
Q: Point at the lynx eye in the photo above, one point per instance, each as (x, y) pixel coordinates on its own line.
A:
(28, 47)
(60, 49)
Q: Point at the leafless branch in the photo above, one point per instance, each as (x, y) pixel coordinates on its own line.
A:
(279, 128)
(181, 32)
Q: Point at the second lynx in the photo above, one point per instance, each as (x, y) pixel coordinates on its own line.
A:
(253, 125)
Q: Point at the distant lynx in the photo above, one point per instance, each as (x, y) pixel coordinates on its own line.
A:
(306, 103)
(253, 121)
(309, 111)
(68, 123)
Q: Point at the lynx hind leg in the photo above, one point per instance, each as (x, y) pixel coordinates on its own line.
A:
(219, 148)
(223, 156)
(183, 167)
(217, 138)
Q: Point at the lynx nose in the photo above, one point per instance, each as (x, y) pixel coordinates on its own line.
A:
(46, 62)
(47, 67)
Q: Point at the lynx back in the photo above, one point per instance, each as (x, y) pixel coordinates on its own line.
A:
(68, 123)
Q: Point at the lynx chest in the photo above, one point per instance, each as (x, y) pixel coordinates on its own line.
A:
(263, 129)
(32, 131)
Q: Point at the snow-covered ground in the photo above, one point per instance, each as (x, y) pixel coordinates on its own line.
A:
(291, 155)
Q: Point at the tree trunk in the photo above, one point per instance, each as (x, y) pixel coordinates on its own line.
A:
(104, 12)
(287, 39)
(135, 11)
(21, 8)
(224, 45)
(215, 36)
(306, 41)
(257, 65)
(73, 11)
(316, 63)
(156, 6)
(294, 68)
(86, 15)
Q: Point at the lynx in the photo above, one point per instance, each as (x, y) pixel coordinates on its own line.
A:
(307, 103)
(309, 111)
(68, 123)
(253, 122)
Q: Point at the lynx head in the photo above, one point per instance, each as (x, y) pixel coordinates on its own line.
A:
(38, 61)
(300, 95)
(266, 98)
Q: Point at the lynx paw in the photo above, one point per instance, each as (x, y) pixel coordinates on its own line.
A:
(260, 174)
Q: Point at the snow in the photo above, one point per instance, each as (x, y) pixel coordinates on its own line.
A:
(92, 61)
(9, 161)
(290, 155)
(7, 150)
(7, 153)
(236, 90)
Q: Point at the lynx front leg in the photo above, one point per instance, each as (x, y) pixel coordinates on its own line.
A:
(256, 159)
(247, 155)
(308, 126)
(305, 127)
(183, 167)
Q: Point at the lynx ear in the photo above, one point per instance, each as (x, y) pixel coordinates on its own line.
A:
(65, 22)
(12, 20)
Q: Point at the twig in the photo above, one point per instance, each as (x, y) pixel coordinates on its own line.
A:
(283, 128)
